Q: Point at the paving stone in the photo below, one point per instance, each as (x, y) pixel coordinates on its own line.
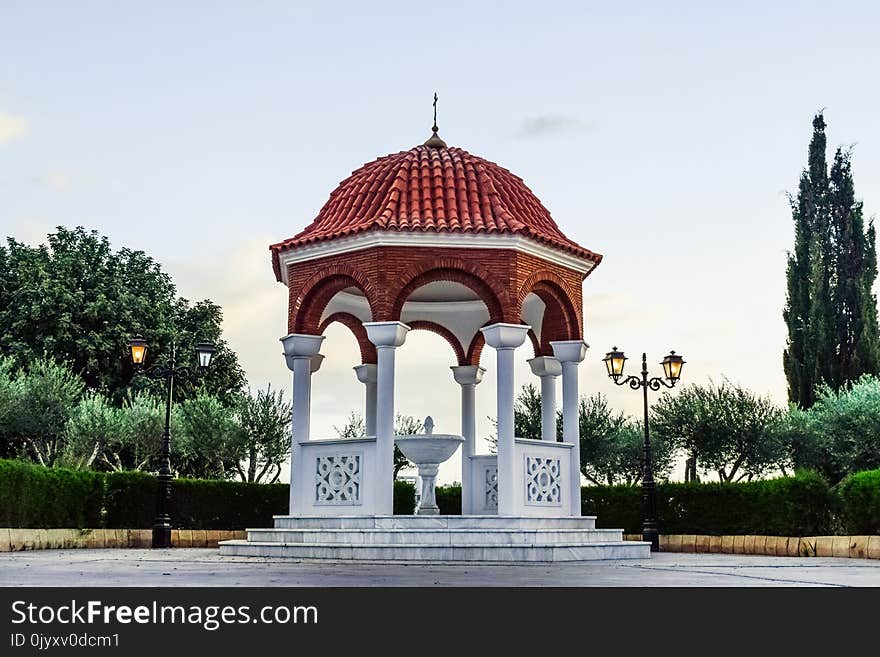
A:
(205, 567)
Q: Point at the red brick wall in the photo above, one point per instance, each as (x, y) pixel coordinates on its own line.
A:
(388, 274)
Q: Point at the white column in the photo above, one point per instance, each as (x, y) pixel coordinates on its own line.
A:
(301, 354)
(547, 369)
(570, 353)
(366, 374)
(467, 376)
(504, 338)
(387, 336)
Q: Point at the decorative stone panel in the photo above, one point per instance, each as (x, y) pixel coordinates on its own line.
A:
(490, 488)
(543, 481)
(338, 479)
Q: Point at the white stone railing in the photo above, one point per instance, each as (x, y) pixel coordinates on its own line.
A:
(543, 489)
(340, 476)
(484, 484)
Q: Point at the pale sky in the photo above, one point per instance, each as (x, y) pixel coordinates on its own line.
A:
(663, 136)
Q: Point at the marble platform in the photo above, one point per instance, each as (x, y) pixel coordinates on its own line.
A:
(485, 539)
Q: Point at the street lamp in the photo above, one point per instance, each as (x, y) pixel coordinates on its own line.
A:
(614, 361)
(168, 372)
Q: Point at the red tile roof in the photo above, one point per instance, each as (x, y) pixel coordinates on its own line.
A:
(436, 190)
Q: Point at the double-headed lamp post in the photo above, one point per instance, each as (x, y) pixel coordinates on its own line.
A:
(167, 371)
(614, 361)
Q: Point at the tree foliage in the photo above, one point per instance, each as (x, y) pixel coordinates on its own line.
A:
(138, 443)
(78, 301)
(207, 444)
(92, 427)
(724, 429)
(264, 419)
(840, 434)
(830, 311)
(44, 400)
(527, 414)
(612, 445)
(404, 425)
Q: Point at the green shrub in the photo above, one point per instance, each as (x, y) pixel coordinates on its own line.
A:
(33, 496)
(404, 498)
(802, 505)
(859, 496)
(129, 500)
(449, 500)
(210, 504)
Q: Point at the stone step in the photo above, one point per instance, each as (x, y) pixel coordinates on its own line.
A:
(433, 522)
(469, 536)
(502, 553)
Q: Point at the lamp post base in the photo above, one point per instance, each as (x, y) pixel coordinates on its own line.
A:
(162, 534)
(652, 536)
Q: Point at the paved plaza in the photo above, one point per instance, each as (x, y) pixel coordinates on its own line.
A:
(205, 567)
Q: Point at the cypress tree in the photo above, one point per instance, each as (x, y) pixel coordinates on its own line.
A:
(831, 311)
(855, 305)
(808, 289)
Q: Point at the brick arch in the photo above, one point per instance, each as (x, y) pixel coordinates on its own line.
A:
(536, 346)
(561, 319)
(546, 275)
(443, 332)
(317, 291)
(368, 349)
(475, 349)
(482, 282)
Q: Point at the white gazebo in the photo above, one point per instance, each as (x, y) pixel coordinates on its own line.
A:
(437, 239)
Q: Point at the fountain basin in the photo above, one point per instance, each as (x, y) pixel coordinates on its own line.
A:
(428, 451)
(432, 448)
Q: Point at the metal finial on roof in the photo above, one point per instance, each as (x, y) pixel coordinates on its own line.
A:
(434, 141)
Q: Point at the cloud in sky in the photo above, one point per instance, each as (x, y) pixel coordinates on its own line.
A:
(541, 126)
(57, 181)
(12, 127)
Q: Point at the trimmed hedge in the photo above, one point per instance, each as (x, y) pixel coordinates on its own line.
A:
(449, 500)
(803, 505)
(859, 496)
(129, 500)
(32, 496)
(203, 504)
(404, 498)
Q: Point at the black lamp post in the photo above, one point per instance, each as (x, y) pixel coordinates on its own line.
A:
(204, 352)
(614, 361)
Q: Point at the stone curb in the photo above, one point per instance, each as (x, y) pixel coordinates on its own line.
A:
(855, 547)
(14, 540)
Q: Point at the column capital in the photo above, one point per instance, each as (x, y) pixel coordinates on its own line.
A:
(545, 366)
(367, 373)
(386, 334)
(314, 362)
(505, 336)
(569, 351)
(300, 345)
(467, 374)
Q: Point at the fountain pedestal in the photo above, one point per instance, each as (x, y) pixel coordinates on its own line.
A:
(428, 505)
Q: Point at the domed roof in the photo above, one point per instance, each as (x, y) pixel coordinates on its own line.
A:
(433, 189)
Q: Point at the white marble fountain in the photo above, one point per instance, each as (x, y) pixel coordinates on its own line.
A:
(428, 450)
